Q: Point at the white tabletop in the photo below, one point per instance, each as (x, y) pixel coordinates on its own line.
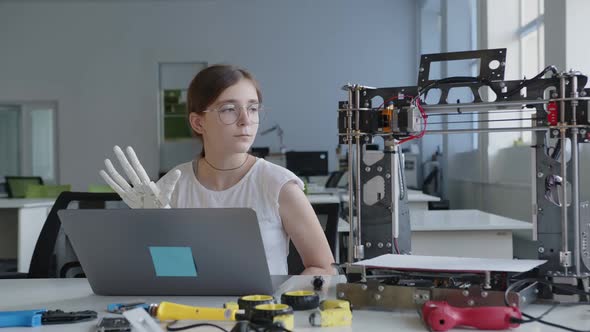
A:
(323, 199)
(75, 295)
(463, 220)
(418, 196)
(414, 196)
(17, 203)
(456, 220)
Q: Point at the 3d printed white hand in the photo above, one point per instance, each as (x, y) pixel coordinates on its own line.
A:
(143, 193)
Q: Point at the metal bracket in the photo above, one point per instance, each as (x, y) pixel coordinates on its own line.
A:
(488, 60)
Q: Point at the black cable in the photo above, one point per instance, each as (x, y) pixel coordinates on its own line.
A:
(187, 327)
(551, 324)
(534, 319)
(450, 80)
(555, 305)
(267, 327)
(525, 83)
(556, 150)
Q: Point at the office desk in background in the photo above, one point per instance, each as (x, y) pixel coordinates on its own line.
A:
(21, 221)
(461, 233)
(417, 201)
(76, 295)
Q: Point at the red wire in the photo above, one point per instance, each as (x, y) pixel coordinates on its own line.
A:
(425, 123)
(422, 112)
(392, 98)
(395, 246)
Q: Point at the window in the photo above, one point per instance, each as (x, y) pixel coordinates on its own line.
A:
(522, 33)
(174, 80)
(28, 140)
(9, 140)
(531, 34)
(176, 142)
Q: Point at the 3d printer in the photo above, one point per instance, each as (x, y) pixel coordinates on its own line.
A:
(378, 213)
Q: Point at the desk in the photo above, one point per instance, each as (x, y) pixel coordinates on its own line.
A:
(417, 201)
(21, 221)
(323, 199)
(461, 233)
(75, 294)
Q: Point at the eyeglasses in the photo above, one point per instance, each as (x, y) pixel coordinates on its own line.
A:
(230, 113)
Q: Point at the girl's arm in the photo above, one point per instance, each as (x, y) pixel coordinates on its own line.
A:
(304, 229)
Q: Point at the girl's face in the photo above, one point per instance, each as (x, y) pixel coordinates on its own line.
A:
(230, 124)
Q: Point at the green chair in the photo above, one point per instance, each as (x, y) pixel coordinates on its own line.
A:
(16, 186)
(100, 188)
(46, 191)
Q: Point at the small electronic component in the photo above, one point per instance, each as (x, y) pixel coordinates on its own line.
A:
(113, 324)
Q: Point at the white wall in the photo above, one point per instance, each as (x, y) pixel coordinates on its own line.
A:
(99, 60)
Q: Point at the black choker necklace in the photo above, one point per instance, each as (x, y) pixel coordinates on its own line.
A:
(226, 169)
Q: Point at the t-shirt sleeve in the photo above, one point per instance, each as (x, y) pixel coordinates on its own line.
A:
(276, 177)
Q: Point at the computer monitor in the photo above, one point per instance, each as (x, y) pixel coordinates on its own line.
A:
(307, 163)
(260, 152)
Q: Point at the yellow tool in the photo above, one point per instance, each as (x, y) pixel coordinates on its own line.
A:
(273, 313)
(175, 311)
(260, 309)
(332, 313)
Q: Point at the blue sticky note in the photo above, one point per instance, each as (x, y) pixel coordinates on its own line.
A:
(173, 261)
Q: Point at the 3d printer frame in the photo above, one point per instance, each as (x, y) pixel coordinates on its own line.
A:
(378, 213)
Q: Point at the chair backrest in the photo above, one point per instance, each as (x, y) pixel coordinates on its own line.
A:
(16, 186)
(328, 214)
(53, 256)
(46, 190)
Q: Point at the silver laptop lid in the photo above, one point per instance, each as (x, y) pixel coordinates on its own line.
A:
(203, 251)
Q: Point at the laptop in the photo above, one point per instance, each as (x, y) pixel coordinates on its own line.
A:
(205, 251)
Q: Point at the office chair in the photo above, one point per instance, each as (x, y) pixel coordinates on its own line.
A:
(330, 226)
(53, 256)
(16, 186)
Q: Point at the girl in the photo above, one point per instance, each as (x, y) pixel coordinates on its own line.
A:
(224, 111)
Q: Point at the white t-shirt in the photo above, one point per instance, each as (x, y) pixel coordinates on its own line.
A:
(259, 190)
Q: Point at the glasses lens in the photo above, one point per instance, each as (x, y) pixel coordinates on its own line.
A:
(228, 114)
(256, 113)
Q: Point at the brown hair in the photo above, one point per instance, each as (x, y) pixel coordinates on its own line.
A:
(210, 82)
